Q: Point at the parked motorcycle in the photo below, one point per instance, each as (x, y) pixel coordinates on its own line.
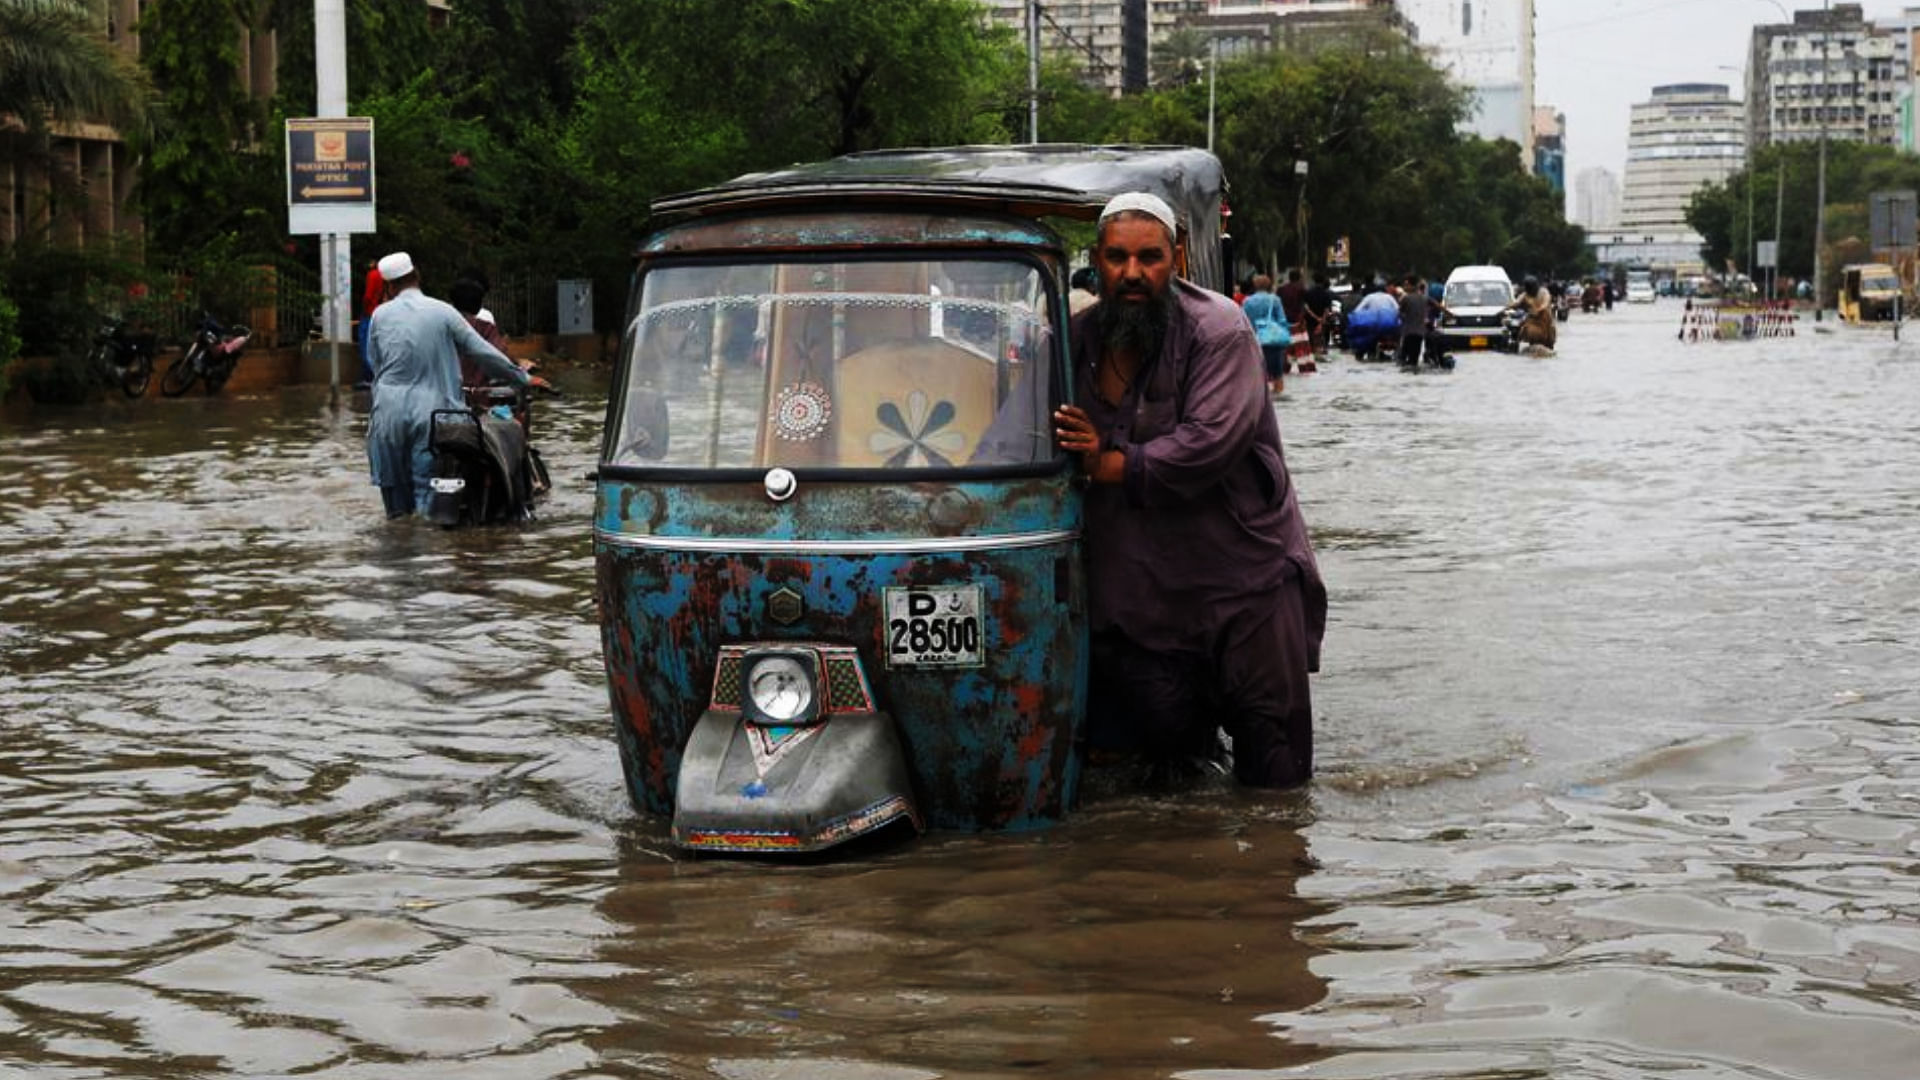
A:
(211, 357)
(123, 358)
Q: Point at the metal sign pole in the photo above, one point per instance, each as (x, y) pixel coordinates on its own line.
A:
(336, 249)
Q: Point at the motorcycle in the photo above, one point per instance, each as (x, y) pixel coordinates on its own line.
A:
(486, 470)
(122, 358)
(210, 357)
(1511, 321)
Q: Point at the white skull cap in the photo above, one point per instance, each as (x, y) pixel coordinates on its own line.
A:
(396, 266)
(1141, 202)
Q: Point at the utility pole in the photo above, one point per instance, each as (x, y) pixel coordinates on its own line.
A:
(336, 249)
(1213, 66)
(1033, 71)
(1779, 204)
(1753, 238)
(1300, 209)
(1820, 183)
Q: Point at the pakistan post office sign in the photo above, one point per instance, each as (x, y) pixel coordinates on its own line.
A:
(330, 174)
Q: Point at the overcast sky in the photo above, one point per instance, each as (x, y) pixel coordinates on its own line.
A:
(1594, 59)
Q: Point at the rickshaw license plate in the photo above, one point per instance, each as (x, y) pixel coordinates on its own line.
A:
(1477, 343)
(934, 627)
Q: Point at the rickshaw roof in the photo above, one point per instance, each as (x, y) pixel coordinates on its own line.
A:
(1064, 179)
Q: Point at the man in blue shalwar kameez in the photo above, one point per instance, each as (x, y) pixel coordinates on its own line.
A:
(414, 344)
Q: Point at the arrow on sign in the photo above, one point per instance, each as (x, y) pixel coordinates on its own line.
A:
(332, 192)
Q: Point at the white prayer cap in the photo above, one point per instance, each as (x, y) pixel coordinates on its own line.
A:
(396, 266)
(1141, 202)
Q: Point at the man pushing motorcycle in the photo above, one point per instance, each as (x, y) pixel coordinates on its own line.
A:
(414, 344)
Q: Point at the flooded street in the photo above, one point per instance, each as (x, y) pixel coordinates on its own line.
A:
(1619, 739)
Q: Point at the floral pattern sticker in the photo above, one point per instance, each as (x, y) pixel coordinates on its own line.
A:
(921, 433)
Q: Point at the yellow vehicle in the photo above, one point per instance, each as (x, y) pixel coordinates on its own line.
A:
(1869, 292)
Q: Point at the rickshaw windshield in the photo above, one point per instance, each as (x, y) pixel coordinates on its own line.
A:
(906, 363)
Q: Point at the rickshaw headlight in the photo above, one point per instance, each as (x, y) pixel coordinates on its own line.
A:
(780, 689)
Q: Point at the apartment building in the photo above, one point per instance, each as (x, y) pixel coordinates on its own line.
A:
(1107, 38)
(1828, 72)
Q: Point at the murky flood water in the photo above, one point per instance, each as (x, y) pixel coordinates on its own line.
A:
(1619, 747)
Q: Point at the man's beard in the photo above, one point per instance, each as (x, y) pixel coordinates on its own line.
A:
(1133, 326)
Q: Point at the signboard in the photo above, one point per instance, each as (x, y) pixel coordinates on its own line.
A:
(330, 174)
(1340, 255)
(1769, 254)
(1891, 219)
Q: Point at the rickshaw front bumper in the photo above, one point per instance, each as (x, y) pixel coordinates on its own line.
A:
(824, 785)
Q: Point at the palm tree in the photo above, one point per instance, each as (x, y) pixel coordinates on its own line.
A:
(56, 67)
(1179, 59)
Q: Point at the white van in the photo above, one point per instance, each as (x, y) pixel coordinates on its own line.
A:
(1639, 287)
(1475, 296)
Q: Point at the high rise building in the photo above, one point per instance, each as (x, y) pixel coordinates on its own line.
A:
(1686, 136)
(1828, 71)
(1107, 38)
(1596, 198)
(1487, 47)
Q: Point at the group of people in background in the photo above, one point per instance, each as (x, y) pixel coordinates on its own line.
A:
(1293, 322)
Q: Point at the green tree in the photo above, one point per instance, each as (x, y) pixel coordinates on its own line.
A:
(56, 66)
(1179, 59)
(451, 192)
(675, 94)
(205, 172)
(1367, 126)
(1784, 178)
(388, 43)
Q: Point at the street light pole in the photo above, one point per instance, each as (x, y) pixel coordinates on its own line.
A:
(1213, 67)
(1300, 209)
(1820, 183)
(336, 249)
(1779, 205)
(1033, 71)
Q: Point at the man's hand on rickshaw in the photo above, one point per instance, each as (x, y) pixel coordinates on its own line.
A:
(539, 382)
(1076, 435)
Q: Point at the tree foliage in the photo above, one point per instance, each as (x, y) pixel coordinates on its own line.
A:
(1179, 59)
(1784, 179)
(56, 67)
(204, 171)
(535, 135)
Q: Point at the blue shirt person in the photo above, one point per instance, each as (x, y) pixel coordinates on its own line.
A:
(414, 344)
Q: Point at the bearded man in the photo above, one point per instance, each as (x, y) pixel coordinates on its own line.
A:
(1206, 601)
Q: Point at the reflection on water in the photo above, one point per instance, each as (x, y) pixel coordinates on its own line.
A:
(1618, 731)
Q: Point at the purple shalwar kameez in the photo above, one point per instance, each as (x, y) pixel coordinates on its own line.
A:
(1206, 602)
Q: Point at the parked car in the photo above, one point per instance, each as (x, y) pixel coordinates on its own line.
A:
(1475, 297)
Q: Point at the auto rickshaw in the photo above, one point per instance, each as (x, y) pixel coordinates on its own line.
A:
(1869, 292)
(836, 547)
